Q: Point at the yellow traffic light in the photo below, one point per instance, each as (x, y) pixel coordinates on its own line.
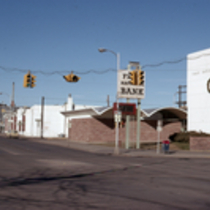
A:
(27, 80)
(132, 77)
(140, 79)
(33, 77)
(71, 78)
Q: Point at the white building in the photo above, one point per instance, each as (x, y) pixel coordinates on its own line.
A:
(27, 121)
(198, 91)
(53, 121)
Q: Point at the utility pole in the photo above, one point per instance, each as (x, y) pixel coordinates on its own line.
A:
(13, 97)
(127, 128)
(108, 100)
(180, 92)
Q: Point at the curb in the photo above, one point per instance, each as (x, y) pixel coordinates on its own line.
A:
(103, 150)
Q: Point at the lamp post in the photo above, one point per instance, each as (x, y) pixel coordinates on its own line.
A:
(116, 150)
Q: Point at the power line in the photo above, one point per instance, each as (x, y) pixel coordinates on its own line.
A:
(164, 62)
(175, 61)
(97, 71)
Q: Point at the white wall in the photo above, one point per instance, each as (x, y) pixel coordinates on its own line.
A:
(53, 121)
(54, 124)
(198, 98)
(20, 112)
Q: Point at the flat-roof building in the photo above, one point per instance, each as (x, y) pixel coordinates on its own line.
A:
(198, 91)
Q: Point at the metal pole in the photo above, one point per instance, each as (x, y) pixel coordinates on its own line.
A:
(127, 129)
(138, 116)
(42, 116)
(180, 96)
(108, 101)
(138, 124)
(158, 143)
(159, 128)
(116, 150)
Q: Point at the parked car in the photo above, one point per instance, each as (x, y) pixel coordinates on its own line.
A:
(13, 134)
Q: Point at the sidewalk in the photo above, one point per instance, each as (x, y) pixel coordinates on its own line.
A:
(104, 150)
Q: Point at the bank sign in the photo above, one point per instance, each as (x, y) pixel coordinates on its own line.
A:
(126, 90)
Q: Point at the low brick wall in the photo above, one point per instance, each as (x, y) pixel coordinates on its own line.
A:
(199, 143)
(103, 130)
(92, 130)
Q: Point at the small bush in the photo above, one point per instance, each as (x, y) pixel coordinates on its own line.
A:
(185, 136)
(180, 146)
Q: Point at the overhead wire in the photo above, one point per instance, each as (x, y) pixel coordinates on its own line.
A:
(94, 71)
(98, 71)
(164, 62)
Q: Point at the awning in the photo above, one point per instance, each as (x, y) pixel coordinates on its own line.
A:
(150, 114)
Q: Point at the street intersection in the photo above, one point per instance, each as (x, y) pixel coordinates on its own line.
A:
(41, 174)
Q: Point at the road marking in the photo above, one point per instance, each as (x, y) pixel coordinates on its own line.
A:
(9, 151)
(63, 163)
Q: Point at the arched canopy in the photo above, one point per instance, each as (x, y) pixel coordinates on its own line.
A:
(165, 113)
(169, 113)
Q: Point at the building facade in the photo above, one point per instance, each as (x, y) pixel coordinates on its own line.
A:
(38, 121)
(93, 124)
(198, 91)
(97, 125)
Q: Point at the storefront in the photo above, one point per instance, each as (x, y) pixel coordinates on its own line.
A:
(97, 124)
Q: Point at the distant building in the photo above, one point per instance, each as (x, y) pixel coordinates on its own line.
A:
(27, 120)
(198, 91)
(4, 109)
(93, 124)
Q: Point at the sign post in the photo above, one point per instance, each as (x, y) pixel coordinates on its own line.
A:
(117, 116)
(128, 90)
(127, 130)
(138, 124)
(126, 109)
(131, 85)
(159, 129)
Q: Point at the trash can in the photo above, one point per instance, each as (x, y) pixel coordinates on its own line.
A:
(165, 146)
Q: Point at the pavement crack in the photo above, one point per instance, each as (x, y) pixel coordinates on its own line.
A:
(21, 181)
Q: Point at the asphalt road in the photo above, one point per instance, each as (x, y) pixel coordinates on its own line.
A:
(41, 176)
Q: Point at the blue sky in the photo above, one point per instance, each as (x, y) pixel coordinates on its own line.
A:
(46, 36)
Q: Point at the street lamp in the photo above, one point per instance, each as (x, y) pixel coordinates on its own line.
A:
(116, 151)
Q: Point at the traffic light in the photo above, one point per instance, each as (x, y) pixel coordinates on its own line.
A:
(140, 77)
(33, 77)
(71, 78)
(132, 77)
(27, 80)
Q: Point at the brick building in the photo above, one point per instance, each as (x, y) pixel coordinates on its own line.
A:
(93, 124)
(97, 124)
